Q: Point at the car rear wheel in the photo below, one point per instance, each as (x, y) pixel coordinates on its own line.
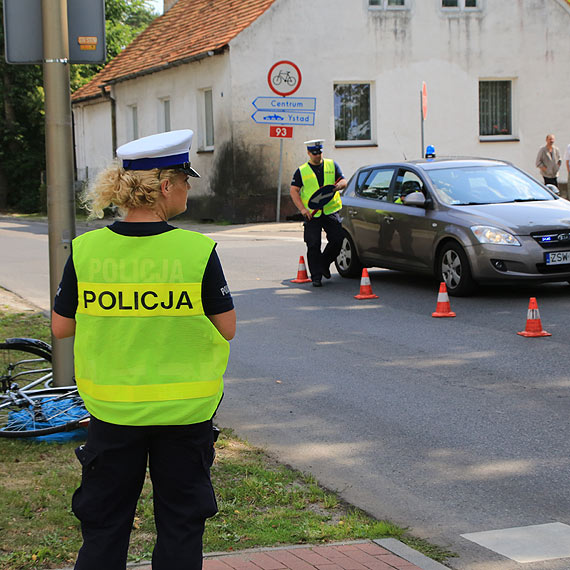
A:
(453, 269)
(347, 263)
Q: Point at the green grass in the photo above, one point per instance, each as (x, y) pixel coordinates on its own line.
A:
(261, 502)
(32, 325)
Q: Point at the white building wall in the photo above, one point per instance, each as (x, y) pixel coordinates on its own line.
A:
(526, 41)
(184, 87)
(93, 137)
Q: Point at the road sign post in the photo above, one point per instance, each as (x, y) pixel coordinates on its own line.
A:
(423, 112)
(56, 33)
(278, 209)
(59, 164)
(282, 113)
(281, 133)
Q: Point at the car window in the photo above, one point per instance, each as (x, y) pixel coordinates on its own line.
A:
(361, 179)
(406, 183)
(485, 185)
(377, 184)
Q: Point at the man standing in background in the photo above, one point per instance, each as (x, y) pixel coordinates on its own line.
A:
(548, 161)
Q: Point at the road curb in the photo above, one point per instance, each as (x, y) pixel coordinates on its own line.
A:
(409, 554)
(391, 544)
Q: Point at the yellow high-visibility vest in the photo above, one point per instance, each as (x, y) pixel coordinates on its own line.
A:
(145, 352)
(311, 185)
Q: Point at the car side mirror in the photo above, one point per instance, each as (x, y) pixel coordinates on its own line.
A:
(416, 199)
(554, 189)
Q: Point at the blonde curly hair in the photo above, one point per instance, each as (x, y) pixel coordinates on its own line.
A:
(124, 189)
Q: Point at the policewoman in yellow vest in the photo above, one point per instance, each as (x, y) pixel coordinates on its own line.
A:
(307, 179)
(152, 315)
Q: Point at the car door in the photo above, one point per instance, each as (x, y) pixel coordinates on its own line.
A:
(367, 209)
(409, 231)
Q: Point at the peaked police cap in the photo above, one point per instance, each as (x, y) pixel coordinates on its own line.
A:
(314, 145)
(164, 150)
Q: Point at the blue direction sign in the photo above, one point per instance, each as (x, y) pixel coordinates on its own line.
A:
(285, 103)
(284, 117)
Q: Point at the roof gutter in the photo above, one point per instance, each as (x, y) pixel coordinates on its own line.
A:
(156, 69)
(101, 95)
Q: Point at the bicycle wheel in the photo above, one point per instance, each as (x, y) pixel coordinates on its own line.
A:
(23, 362)
(41, 412)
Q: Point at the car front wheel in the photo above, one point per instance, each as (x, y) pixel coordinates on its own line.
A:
(347, 263)
(453, 269)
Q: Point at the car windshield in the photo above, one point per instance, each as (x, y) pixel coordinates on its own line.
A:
(473, 185)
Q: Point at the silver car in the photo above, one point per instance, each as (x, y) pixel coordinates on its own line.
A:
(464, 221)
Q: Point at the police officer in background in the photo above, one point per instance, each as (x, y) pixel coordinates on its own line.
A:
(307, 179)
(152, 315)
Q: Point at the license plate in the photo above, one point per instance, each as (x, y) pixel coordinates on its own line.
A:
(557, 257)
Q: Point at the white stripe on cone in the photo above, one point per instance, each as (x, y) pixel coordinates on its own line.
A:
(365, 281)
(533, 315)
(442, 298)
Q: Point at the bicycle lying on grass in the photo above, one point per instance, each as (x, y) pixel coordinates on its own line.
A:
(30, 405)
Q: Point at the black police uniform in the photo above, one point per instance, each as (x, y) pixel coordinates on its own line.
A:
(319, 262)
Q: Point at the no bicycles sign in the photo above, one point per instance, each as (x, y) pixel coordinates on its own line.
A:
(284, 78)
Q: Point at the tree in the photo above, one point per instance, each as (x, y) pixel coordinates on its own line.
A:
(22, 138)
(124, 20)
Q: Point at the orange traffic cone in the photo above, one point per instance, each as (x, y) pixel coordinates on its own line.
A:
(533, 324)
(302, 276)
(365, 287)
(443, 308)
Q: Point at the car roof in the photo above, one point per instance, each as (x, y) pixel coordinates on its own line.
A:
(444, 162)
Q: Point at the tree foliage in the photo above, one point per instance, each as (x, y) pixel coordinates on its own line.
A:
(124, 20)
(22, 132)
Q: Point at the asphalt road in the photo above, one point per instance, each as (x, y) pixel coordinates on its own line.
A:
(445, 426)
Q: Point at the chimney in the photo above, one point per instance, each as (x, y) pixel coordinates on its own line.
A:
(168, 4)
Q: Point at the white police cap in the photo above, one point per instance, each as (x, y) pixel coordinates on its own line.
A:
(315, 144)
(164, 150)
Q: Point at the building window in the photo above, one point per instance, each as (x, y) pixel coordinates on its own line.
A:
(165, 115)
(495, 108)
(388, 4)
(206, 120)
(352, 114)
(133, 122)
(209, 118)
(460, 4)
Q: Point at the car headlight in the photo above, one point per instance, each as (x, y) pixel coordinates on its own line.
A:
(489, 234)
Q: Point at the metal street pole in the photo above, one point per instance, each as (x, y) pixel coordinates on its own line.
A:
(279, 181)
(59, 163)
(422, 154)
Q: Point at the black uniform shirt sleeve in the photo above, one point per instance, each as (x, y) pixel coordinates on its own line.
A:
(297, 180)
(65, 302)
(216, 297)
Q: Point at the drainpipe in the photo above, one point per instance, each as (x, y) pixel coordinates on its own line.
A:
(111, 96)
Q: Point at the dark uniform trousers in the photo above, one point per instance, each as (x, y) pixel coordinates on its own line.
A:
(114, 461)
(317, 260)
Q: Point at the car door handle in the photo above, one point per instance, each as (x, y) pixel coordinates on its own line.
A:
(388, 219)
(352, 212)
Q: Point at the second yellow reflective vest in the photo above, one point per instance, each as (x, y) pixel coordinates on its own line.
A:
(311, 185)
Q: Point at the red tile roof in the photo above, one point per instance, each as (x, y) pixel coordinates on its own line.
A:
(188, 31)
